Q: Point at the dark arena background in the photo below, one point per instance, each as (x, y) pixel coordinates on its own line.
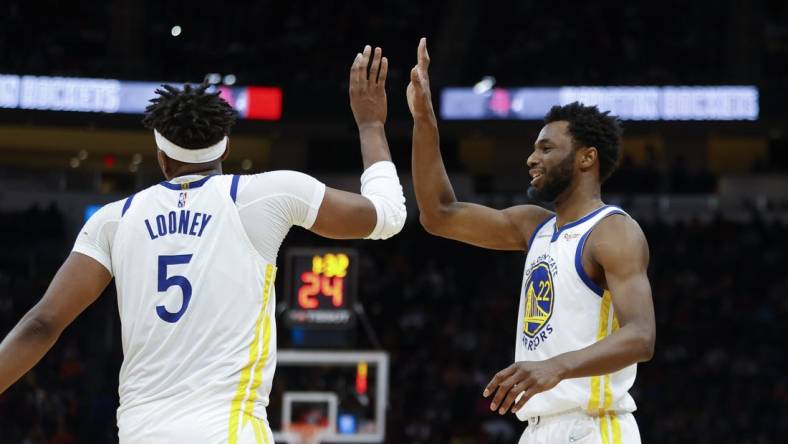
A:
(701, 87)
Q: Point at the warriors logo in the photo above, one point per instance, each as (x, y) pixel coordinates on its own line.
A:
(539, 297)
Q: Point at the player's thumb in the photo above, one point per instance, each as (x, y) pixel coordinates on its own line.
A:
(414, 77)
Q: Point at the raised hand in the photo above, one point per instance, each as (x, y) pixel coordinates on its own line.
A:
(419, 97)
(368, 87)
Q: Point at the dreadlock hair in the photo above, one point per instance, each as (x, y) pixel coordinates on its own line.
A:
(191, 118)
(590, 127)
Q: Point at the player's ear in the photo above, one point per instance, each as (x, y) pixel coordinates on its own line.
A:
(164, 164)
(226, 152)
(588, 157)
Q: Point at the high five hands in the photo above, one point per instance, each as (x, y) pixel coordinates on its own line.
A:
(419, 97)
(368, 87)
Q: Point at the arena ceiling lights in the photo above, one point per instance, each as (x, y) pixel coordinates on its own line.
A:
(117, 96)
(628, 102)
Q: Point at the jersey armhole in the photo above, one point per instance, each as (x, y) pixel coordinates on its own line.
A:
(238, 221)
(126, 205)
(234, 187)
(536, 231)
(579, 256)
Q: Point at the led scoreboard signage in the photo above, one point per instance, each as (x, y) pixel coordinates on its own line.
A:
(321, 287)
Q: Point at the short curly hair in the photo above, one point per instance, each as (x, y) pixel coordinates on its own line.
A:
(590, 127)
(190, 117)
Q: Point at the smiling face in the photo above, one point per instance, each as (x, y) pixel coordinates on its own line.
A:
(552, 164)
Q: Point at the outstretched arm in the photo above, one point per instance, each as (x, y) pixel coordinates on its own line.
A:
(619, 247)
(76, 285)
(440, 212)
(379, 212)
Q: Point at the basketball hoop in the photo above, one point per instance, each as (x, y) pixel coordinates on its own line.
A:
(307, 433)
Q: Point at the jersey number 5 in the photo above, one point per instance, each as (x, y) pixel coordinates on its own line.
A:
(167, 282)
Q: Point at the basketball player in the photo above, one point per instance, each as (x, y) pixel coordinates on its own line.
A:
(586, 317)
(194, 264)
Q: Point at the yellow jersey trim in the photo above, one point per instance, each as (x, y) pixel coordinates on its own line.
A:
(598, 383)
(254, 354)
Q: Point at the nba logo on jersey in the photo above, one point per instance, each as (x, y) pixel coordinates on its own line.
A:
(182, 199)
(539, 298)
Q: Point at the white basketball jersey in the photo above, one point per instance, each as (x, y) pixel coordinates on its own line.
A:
(196, 304)
(562, 310)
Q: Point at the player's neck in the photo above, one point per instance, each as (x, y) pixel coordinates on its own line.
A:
(576, 202)
(190, 170)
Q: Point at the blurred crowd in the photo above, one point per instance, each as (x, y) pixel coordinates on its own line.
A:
(305, 46)
(650, 177)
(447, 317)
(626, 43)
(300, 45)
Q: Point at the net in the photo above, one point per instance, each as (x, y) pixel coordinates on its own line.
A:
(305, 433)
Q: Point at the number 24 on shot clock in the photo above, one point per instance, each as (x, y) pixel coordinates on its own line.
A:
(321, 286)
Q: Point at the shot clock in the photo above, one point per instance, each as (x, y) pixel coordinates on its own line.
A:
(320, 285)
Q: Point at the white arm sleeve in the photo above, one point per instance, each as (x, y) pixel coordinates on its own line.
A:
(96, 236)
(270, 203)
(380, 184)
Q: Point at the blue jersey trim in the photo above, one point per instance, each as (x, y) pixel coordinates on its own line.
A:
(186, 185)
(536, 230)
(577, 222)
(579, 258)
(234, 187)
(126, 205)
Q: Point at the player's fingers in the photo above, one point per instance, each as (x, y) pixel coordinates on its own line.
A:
(423, 78)
(355, 71)
(414, 77)
(510, 397)
(497, 379)
(375, 67)
(501, 375)
(423, 56)
(384, 72)
(503, 390)
(364, 68)
(526, 395)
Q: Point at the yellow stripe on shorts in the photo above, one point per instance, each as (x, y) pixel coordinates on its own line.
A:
(603, 429)
(258, 431)
(246, 371)
(593, 400)
(616, 428)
